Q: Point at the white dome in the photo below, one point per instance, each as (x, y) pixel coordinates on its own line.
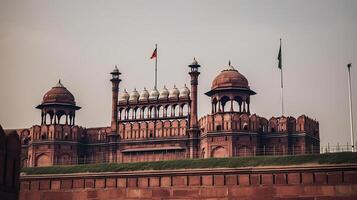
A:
(134, 95)
(144, 95)
(184, 92)
(124, 96)
(164, 93)
(174, 92)
(154, 94)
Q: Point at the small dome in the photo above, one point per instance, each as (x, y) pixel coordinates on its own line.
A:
(154, 94)
(164, 93)
(144, 95)
(184, 92)
(230, 78)
(58, 94)
(174, 92)
(134, 95)
(124, 96)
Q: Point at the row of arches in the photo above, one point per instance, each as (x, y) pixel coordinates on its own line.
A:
(153, 129)
(58, 117)
(153, 111)
(231, 104)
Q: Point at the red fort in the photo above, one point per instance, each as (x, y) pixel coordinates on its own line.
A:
(163, 125)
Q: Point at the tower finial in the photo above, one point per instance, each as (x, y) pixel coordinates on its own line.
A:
(194, 62)
(59, 84)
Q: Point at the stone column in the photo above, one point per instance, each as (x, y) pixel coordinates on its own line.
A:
(232, 105)
(193, 132)
(114, 135)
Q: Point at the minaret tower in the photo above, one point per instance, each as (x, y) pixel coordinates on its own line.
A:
(113, 136)
(193, 129)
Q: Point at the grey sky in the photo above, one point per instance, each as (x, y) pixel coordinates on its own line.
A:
(81, 41)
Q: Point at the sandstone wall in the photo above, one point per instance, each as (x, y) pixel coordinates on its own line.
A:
(308, 183)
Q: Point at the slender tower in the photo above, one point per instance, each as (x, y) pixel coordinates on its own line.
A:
(113, 136)
(193, 129)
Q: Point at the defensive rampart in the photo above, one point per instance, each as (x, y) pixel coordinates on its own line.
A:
(313, 182)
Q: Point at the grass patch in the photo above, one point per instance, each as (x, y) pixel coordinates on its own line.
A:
(332, 158)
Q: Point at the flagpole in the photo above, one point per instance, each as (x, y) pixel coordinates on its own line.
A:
(281, 85)
(350, 99)
(156, 67)
(282, 93)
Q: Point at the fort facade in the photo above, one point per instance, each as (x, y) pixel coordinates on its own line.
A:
(164, 125)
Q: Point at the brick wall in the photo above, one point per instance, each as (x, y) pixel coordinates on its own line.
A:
(309, 182)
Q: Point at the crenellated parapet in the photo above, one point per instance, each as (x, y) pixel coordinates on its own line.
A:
(57, 132)
(232, 121)
(97, 135)
(307, 125)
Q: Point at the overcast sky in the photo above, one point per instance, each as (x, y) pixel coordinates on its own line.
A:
(81, 41)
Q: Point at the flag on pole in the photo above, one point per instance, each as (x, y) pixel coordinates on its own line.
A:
(280, 66)
(154, 54)
(280, 57)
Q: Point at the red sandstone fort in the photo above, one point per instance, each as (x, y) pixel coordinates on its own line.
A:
(163, 125)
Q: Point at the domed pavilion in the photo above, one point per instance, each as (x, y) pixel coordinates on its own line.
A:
(58, 102)
(230, 86)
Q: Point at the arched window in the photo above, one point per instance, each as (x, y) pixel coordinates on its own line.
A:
(168, 111)
(245, 126)
(145, 112)
(66, 137)
(161, 111)
(226, 105)
(185, 110)
(153, 112)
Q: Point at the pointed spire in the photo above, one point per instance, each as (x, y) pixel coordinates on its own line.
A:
(230, 67)
(59, 84)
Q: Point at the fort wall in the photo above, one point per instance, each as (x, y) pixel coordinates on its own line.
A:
(319, 182)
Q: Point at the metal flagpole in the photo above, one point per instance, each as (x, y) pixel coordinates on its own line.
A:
(281, 82)
(350, 99)
(282, 92)
(156, 67)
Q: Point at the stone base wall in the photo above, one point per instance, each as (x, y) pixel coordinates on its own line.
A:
(265, 183)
